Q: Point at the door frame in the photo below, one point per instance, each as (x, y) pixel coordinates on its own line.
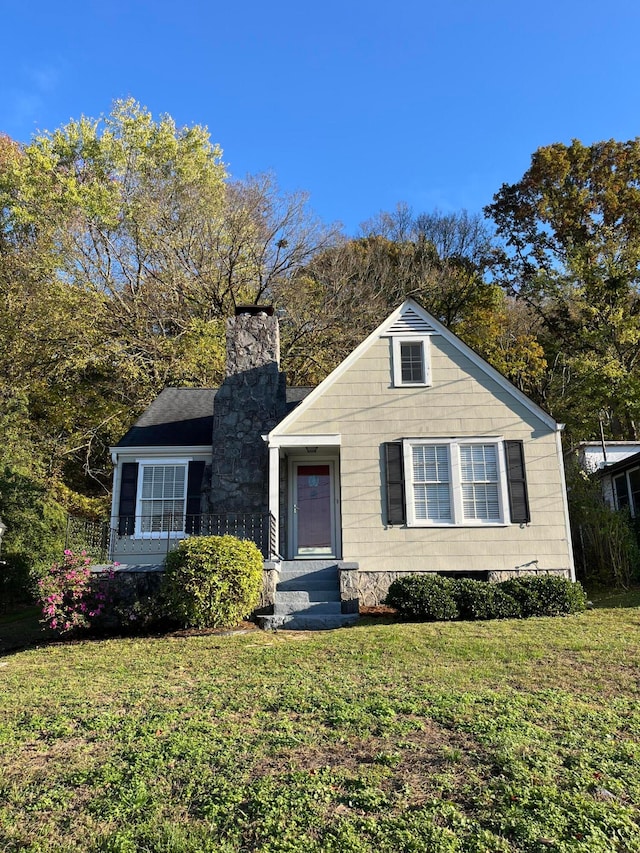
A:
(334, 491)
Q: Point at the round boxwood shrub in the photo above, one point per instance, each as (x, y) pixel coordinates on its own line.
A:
(212, 581)
(484, 600)
(545, 595)
(428, 597)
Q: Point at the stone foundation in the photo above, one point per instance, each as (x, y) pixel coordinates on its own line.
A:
(348, 575)
(505, 575)
(371, 588)
(140, 584)
(133, 583)
(269, 582)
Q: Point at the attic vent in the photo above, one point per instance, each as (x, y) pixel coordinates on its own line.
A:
(409, 324)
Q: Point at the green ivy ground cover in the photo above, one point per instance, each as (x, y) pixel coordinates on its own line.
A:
(501, 736)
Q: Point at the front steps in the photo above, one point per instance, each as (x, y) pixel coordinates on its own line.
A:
(307, 598)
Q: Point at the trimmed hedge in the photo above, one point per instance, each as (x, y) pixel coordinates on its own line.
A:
(212, 581)
(546, 596)
(427, 597)
(433, 598)
(484, 600)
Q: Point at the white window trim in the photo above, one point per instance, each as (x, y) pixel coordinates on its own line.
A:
(425, 342)
(160, 534)
(457, 509)
(631, 506)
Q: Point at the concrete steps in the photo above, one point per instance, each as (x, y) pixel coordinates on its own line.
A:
(307, 598)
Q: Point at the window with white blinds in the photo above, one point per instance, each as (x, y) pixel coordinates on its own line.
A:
(479, 479)
(455, 482)
(431, 482)
(163, 491)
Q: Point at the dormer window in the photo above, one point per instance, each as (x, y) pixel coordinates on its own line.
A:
(411, 361)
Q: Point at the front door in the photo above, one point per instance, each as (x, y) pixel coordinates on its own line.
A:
(313, 510)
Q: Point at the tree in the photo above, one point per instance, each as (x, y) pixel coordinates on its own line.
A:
(571, 231)
(346, 291)
(125, 247)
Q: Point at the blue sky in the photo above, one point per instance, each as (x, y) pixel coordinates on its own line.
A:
(362, 103)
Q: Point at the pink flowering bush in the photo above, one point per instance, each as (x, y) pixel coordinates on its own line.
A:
(71, 596)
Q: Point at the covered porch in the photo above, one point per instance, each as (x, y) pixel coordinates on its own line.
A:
(305, 496)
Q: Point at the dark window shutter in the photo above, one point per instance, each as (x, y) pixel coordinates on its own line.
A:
(517, 482)
(394, 476)
(128, 491)
(194, 494)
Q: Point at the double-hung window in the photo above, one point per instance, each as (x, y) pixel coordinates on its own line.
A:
(479, 482)
(411, 361)
(626, 489)
(162, 493)
(431, 482)
(455, 482)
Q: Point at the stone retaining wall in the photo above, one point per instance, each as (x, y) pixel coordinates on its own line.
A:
(142, 583)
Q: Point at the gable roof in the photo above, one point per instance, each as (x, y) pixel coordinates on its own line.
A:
(183, 417)
(411, 318)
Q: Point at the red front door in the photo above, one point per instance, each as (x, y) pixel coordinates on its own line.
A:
(313, 509)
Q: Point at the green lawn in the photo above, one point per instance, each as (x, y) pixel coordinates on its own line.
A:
(502, 736)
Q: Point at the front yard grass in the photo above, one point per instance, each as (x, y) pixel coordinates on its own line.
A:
(499, 736)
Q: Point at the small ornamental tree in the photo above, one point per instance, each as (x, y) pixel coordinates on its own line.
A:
(71, 596)
(212, 581)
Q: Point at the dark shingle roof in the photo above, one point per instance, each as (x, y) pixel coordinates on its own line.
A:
(295, 396)
(181, 417)
(178, 416)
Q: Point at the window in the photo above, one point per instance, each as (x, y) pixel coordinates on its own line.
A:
(621, 491)
(626, 489)
(411, 361)
(455, 482)
(161, 499)
(431, 482)
(634, 489)
(479, 478)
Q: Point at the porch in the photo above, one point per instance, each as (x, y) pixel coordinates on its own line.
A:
(145, 540)
(305, 496)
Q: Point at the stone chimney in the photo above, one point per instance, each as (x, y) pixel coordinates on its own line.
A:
(248, 404)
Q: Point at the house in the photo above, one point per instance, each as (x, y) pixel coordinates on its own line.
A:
(413, 455)
(617, 464)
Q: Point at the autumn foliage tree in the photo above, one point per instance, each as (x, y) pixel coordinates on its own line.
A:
(571, 232)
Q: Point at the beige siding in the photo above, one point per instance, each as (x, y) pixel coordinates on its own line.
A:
(363, 407)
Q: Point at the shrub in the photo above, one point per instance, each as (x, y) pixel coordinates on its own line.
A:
(605, 540)
(212, 581)
(71, 596)
(428, 597)
(544, 595)
(483, 600)
(34, 538)
(431, 597)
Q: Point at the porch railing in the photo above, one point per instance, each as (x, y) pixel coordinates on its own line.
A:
(101, 540)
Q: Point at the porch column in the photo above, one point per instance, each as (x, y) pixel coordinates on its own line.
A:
(274, 489)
